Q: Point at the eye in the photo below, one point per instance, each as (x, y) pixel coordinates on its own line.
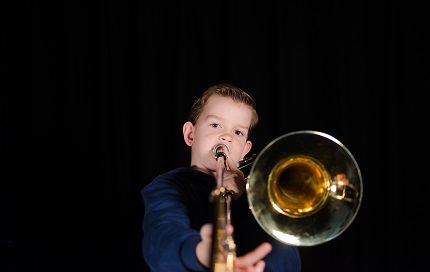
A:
(215, 125)
(238, 132)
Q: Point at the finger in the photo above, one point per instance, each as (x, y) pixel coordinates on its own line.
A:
(259, 266)
(231, 165)
(230, 229)
(228, 158)
(206, 230)
(255, 255)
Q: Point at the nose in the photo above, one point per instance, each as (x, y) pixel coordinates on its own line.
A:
(226, 138)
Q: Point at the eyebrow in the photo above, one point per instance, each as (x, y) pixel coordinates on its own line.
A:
(221, 119)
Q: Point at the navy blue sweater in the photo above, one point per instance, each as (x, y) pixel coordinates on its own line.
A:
(177, 205)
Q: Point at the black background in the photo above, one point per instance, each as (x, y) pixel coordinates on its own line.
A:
(94, 95)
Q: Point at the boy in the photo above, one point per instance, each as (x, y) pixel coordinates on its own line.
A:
(178, 213)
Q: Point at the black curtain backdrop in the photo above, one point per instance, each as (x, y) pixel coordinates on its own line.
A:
(94, 95)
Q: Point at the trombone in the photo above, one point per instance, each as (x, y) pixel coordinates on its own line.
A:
(304, 188)
(223, 255)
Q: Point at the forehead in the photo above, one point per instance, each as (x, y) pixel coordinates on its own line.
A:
(227, 108)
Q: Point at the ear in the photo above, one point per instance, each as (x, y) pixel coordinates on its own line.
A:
(188, 130)
(247, 148)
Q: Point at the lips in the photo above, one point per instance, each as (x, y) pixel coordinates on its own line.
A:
(219, 150)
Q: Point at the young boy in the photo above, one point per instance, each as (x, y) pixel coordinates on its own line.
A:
(178, 213)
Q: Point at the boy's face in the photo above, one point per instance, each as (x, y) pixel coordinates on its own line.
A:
(222, 121)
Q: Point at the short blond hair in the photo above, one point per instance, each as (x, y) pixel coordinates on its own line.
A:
(225, 90)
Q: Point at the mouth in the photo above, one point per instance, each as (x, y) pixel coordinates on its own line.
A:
(218, 150)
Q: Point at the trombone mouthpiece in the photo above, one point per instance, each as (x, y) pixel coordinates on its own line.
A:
(218, 150)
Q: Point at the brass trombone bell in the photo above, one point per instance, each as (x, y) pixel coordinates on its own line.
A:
(304, 188)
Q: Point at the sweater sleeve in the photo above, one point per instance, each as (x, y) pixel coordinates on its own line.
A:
(283, 258)
(169, 243)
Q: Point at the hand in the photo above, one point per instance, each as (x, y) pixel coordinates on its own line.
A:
(341, 177)
(250, 262)
(233, 178)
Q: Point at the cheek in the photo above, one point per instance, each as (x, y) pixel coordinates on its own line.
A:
(203, 139)
(245, 150)
(207, 136)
